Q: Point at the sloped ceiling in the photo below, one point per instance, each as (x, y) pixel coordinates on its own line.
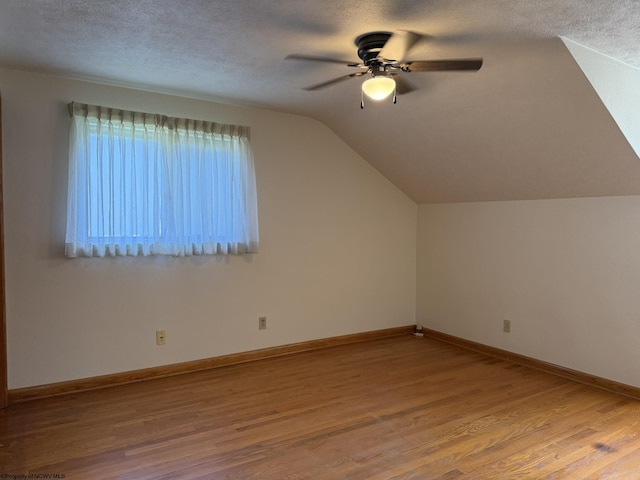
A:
(617, 86)
(528, 125)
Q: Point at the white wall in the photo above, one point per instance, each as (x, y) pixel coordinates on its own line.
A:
(338, 248)
(565, 272)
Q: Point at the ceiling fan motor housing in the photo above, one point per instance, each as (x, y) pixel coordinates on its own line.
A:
(369, 46)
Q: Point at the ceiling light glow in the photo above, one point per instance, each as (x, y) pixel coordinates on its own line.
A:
(378, 88)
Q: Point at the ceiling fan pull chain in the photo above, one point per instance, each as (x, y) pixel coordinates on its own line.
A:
(361, 100)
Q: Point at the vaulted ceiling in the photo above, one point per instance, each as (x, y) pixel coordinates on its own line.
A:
(528, 125)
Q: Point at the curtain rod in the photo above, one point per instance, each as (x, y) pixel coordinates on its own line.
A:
(76, 108)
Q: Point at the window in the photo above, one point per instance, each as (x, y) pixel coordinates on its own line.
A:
(145, 184)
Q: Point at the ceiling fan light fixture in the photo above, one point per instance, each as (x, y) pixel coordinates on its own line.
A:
(378, 88)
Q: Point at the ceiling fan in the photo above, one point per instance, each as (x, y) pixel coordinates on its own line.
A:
(383, 58)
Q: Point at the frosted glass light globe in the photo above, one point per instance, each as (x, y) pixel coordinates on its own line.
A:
(378, 88)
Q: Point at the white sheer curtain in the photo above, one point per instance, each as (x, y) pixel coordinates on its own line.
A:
(145, 184)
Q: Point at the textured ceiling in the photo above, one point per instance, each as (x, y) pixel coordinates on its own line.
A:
(527, 125)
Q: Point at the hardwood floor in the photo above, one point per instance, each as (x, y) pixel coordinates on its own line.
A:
(395, 408)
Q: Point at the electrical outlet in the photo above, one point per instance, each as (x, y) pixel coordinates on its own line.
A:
(506, 326)
(262, 323)
(161, 337)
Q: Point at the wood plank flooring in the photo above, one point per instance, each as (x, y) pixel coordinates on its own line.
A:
(395, 408)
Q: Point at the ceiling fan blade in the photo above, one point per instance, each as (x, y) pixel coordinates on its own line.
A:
(399, 45)
(442, 65)
(313, 58)
(328, 83)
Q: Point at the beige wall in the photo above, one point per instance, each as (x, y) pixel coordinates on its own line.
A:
(338, 248)
(565, 272)
(338, 256)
